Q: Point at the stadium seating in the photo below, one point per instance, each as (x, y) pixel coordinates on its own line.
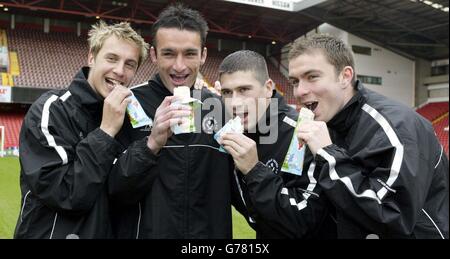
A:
(442, 134)
(12, 123)
(437, 114)
(281, 83)
(432, 111)
(50, 60)
(47, 60)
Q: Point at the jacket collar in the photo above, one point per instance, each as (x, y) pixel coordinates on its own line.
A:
(346, 118)
(159, 85)
(83, 91)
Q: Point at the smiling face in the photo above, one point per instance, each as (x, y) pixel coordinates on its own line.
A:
(317, 86)
(245, 97)
(115, 63)
(178, 56)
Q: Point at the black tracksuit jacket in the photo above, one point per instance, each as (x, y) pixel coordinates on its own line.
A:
(386, 173)
(65, 160)
(185, 191)
(279, 204)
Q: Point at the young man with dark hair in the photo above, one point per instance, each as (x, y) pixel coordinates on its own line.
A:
(69, 140)
(270, 197)
(382, 166)
(186, 194)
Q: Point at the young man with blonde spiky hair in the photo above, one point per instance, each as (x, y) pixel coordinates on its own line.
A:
(69, 141)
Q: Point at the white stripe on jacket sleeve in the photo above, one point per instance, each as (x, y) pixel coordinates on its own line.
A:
(44, 127)
(396, 163)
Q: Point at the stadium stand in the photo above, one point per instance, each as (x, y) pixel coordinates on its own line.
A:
(281, 82)
(13, 123)
(441, 128)
(437, 114)
(46, 60)
(50, 60)
(432, 111)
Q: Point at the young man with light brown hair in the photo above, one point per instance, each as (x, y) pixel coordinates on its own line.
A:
(382, 166)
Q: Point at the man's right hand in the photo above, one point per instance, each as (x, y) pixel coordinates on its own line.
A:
(114, 107)
(166, 115)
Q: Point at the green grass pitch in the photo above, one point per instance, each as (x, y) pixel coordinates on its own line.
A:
(10, 203)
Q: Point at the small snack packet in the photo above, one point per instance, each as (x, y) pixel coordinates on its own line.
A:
(293, 162)
(234, 126)
(184, 93)
(136, 113)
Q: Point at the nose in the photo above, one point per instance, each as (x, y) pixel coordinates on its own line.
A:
(179, 64)
(236, 102)
(119, 69)
(301, 90)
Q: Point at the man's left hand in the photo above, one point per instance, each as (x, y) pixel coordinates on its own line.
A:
(242, 149)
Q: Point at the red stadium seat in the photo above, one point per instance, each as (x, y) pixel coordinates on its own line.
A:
(12, 123)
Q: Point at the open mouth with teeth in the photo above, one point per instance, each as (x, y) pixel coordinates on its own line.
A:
(112, 83)
(311, 105)
(178, 79)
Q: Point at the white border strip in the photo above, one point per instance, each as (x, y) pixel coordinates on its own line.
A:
(44, 127)
(398, 157)
(23, 206)
(54, 223)
(290, 121)
(65, 96)
(432, 221)
(312, 184)
(440, 157)
(139, 221)
(396, 164)
(347, 182)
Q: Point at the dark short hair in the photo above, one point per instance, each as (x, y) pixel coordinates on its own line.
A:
(180, 17)
(335, 50)
(245, 60)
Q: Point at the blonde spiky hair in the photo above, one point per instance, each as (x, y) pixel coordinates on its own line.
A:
(102, 31)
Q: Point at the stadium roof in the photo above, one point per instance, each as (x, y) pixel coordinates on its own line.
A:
(412, 28)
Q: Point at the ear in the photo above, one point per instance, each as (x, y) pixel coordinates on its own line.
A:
(269, 86)
(203, 57)
(91, 59)
(153, 54)
(346, 77)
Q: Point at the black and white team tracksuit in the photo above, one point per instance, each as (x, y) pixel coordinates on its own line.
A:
(65, 160)
(280, 204)
(187, 193)
(386, 173)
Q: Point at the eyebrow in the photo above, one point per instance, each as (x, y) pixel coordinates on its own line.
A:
(186, 50)
(312, 71)
(236, 88)
(111, 54)
(306, 73)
